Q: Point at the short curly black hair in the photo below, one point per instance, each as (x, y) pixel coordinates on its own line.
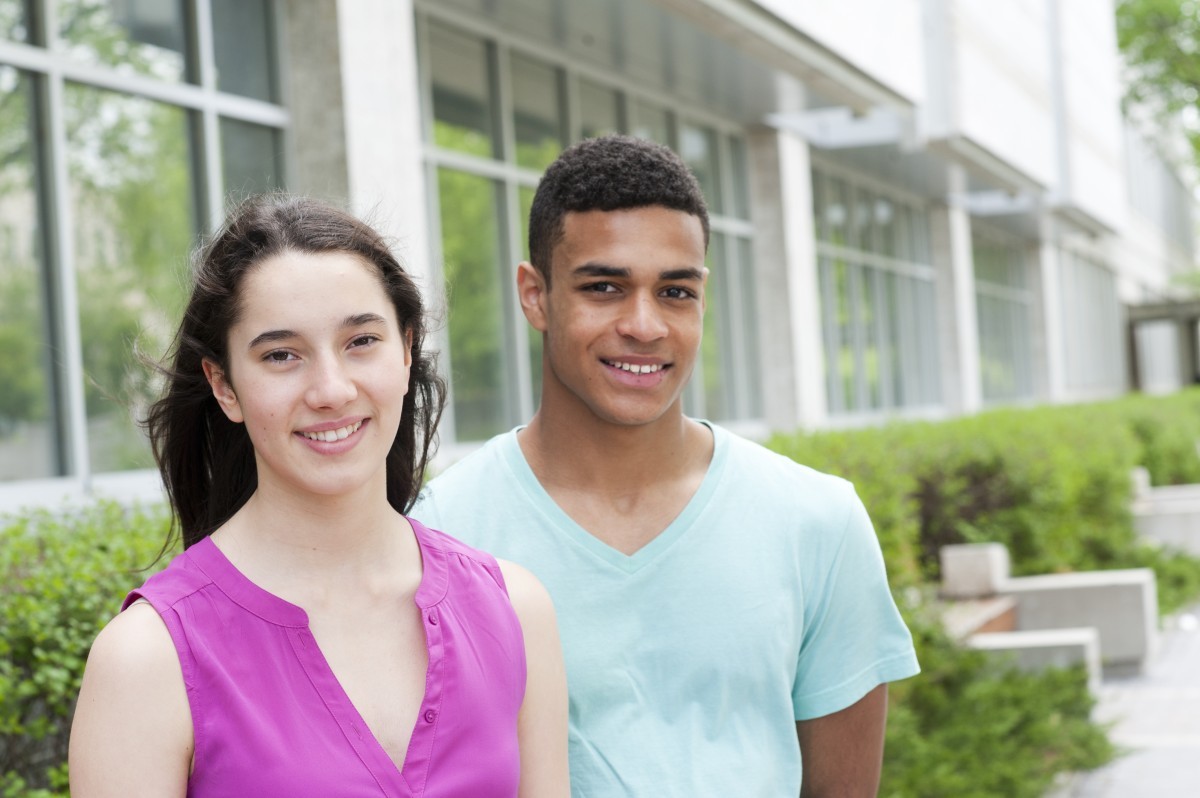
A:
(609, 173)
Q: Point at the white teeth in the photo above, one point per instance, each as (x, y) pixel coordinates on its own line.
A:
(331, 435)
(635, 369)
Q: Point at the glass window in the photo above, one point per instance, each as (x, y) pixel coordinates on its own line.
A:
(463, 116)
(749, 355)
(739, 179)
(251, 158)
(14, 21)
(28, 434)
(134, 223)
(715, 342)
(525, 197)
(1003, 313)
(243, 48)
(880, 324)
(600, 110)
(698, 148)
(137, 38)
(471, 247)
(537, 112)
(652, 122)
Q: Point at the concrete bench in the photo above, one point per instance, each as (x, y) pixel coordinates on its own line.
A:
(1122, 606)
(1168, 515)
(1047, 648)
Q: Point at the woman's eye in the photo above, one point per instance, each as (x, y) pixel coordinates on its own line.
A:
(364, 340)
(277, 356)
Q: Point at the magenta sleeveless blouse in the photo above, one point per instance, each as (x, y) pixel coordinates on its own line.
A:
(271, 719)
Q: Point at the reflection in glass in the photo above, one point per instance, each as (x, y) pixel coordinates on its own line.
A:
(131, 194)
(652, 122)
(537, 112)
(242, 48)
(600, 110)
(463, 119)
(471, 249)
(698, 148)
(28, 438)
(14, 21)
(251, 160)
(138, 38)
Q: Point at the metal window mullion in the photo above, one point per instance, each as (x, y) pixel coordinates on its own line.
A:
(208, 155)
(71, 368)
(518, 329)
(827, 284)
(883, 315)
(516, 390)
(449, 425)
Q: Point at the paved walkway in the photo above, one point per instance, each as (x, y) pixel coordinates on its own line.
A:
(1156, 723)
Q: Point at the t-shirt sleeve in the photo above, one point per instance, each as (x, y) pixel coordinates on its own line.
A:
(854, 638)
(425, 509)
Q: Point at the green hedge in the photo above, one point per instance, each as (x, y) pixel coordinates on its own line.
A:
(62, 577)
(1051, 483)
(972, 726)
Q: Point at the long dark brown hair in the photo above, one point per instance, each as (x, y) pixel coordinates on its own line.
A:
(206, 460)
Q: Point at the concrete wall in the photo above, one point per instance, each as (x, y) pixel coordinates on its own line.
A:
(883, 39)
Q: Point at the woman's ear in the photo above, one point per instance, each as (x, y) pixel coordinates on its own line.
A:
(222, 390)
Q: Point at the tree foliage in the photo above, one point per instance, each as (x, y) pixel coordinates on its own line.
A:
(1160, 42)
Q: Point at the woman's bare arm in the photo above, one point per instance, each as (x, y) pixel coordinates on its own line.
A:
(542, 724)
(132, 732)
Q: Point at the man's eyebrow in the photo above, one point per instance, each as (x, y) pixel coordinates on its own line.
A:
(682, 274)
(353, 320)
(601, 270)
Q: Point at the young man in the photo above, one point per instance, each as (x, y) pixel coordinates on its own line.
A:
(717, 602)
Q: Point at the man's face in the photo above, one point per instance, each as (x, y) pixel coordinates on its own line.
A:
(624, 314)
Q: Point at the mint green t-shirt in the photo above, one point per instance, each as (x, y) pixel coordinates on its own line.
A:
(688, 663)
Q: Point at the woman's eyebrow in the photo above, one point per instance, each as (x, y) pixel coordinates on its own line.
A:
(353, 320)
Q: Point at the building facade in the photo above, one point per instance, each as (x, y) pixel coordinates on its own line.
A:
(920, 208)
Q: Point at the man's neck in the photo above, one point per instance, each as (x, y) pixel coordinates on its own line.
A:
(623, 484)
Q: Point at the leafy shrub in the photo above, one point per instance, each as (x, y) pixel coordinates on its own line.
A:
(1168, 432)
(972, 726)
(62, 576)
(1051, 483)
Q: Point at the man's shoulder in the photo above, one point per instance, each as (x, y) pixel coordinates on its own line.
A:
(755, 464)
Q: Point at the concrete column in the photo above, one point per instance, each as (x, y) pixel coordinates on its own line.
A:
(382, 119)
(1048, 344)
(950, 231)
(312, 85)
(788, 293)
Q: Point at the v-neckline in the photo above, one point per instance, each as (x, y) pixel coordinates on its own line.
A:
(407, 778)
(541, 499)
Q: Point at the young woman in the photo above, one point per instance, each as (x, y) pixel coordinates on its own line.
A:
(311, 639)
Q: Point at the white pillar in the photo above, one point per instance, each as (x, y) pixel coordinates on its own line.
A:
(788, 294)
(950, 228)
(1048, 341)
(382, 117)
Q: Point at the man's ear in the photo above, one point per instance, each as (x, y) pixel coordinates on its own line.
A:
(222, 390)
(531, 289)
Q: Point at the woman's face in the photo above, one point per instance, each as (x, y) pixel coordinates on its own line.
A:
(318, 370)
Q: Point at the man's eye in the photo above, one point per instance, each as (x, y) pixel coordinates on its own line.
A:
(600, 288)
(676, 292)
